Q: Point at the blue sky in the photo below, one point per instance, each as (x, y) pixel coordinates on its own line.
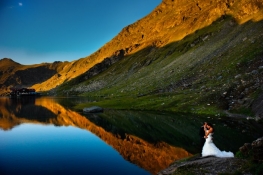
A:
(37, 31)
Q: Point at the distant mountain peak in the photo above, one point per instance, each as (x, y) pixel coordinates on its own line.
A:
(6, 59)
(7, 62)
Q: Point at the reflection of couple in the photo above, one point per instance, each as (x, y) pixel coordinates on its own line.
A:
(208, 147)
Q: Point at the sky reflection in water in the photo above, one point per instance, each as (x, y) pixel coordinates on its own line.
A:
(46, 136)
(46, 149)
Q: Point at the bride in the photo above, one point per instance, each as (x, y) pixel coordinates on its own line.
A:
(209, 148)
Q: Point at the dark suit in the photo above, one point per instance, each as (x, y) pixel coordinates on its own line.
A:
(202, 139)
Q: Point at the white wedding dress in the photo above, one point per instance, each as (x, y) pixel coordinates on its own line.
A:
(210, 149)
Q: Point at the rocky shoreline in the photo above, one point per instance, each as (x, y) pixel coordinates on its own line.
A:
(250, 154)
(205, 165)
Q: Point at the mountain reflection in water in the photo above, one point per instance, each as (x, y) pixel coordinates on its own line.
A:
(151, 156)
(150, 140)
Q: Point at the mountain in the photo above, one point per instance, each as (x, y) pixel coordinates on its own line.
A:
(208, 59)
(13, 74)
(197, 56)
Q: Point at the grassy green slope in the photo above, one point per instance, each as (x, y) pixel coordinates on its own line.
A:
(206, 72)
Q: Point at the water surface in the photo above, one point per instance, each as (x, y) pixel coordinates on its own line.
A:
(45, 136)
(46, 149)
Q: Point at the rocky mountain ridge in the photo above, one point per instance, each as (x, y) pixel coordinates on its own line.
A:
(220, 65)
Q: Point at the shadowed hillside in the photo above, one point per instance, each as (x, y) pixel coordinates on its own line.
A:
(13, 74)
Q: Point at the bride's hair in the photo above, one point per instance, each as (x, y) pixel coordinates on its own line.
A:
(211, 125)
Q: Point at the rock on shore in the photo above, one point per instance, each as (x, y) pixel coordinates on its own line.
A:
(214, 165)
(205, 165)
(93, 109)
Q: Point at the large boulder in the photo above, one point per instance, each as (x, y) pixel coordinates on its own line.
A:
(205, 165)
(93, 109)
(245, 149)
(257, 147)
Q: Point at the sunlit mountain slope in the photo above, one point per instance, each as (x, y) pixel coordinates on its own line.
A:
(215, 68)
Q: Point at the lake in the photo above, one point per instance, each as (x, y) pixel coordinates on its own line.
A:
(46, 136)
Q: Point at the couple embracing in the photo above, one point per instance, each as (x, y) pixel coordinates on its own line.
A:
(208, 148)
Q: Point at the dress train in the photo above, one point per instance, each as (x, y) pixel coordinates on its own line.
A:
(210, 149)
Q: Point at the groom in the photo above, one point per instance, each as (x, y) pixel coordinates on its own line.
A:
(201, 135)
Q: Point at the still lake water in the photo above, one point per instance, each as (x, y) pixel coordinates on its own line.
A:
(46, 136)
